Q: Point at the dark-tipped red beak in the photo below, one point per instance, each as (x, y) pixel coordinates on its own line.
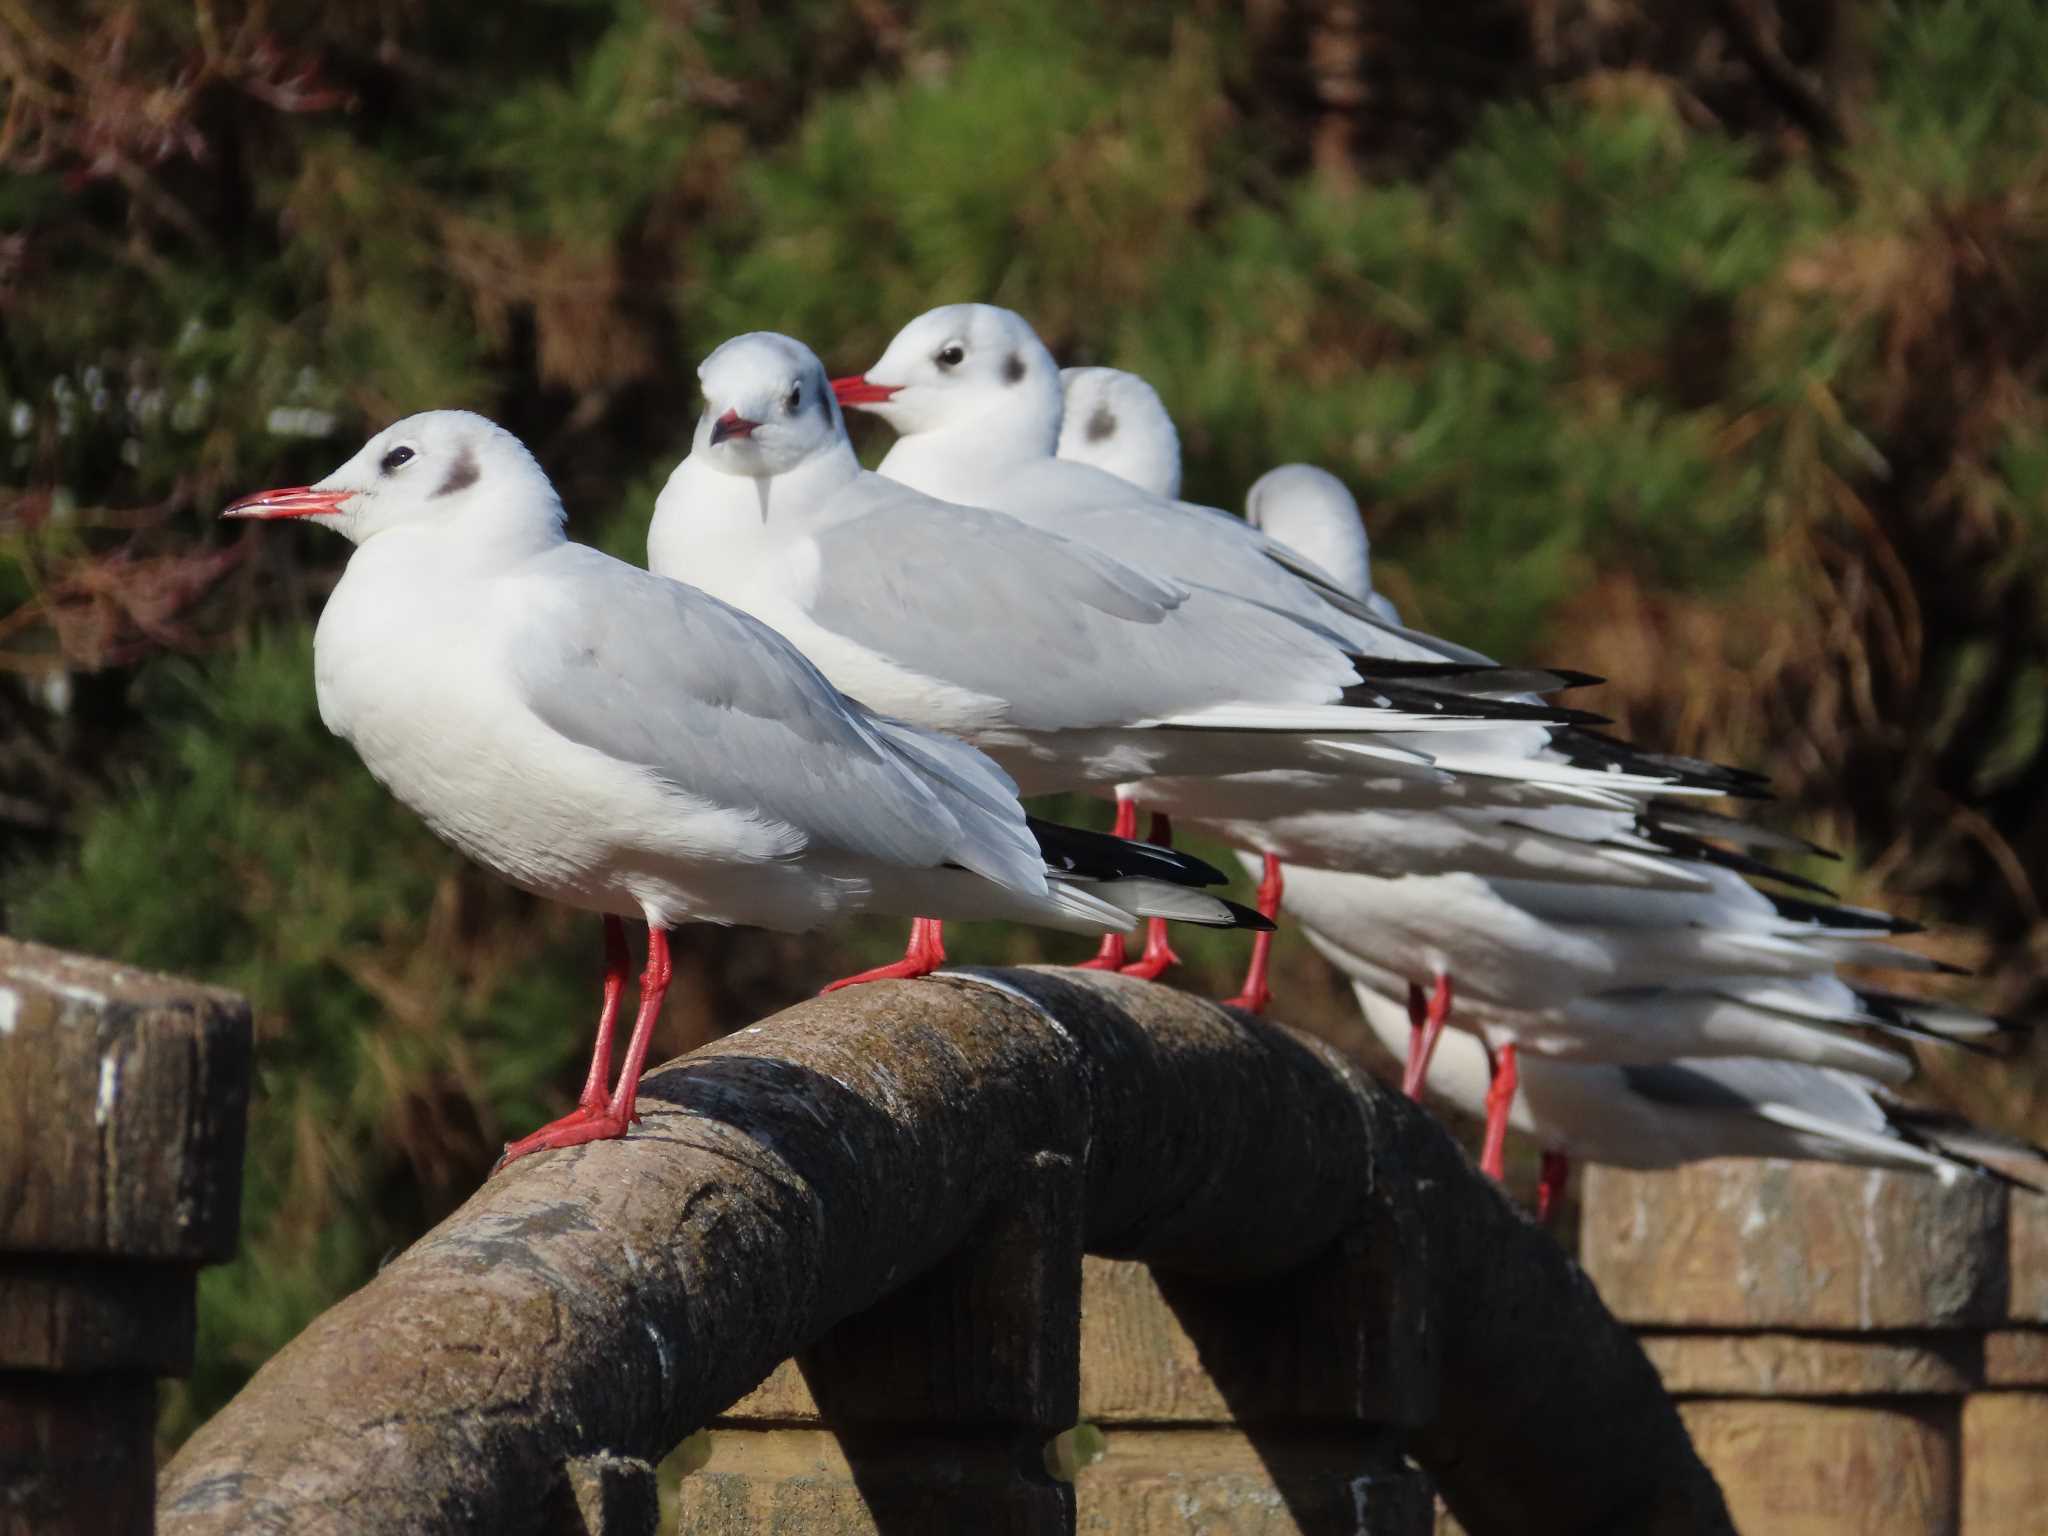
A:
(856, 390)
(290, 501)
(731, 424)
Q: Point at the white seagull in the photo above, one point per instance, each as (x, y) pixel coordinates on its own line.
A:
(1071, 668)
(978, 406)
(1405, 822)
(1664, 1114)
(1575, 972)
(1116, 421)
(626, 745)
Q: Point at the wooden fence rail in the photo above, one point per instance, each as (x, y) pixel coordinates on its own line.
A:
(977, 1130)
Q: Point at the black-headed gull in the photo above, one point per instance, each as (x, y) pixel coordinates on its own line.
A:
(1407, 821)
(627, 745)
(1578, 972)
(1659, 1115)
(978, 407)
(1070, 667)
(1116, 421)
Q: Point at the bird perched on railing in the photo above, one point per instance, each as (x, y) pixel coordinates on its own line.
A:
(627, 745)
(1563, 919)
(1069, 666)
(977, 403)
(1662, 1114)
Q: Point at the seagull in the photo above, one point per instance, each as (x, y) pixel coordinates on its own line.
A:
(979, 409)
(1577, 972)
(1116, 422)
(629, 746)
(1071, 668)
(1407, 822)
(1659, 1115)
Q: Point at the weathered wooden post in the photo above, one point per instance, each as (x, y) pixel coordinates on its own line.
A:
(1275, 1410)
(123, 1096)
(2005, 1420)
(929, 1413)
(1840, 1339)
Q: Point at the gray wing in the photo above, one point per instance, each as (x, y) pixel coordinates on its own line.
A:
(1747, 1085)
(1205, 546)
(651, 672)
(1070, 636)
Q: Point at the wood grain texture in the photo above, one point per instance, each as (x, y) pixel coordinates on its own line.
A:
(75, 1454)
(123, 1100)
(1811, 1365)
(1743, 1244)
(813, 1481)
(2005, 1463)
(619, 1295)
(1832, 1469)
(2016, 1357)
(1224, 1482)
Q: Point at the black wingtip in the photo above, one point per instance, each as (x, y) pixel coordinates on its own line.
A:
(1466, 676)
(1382, 693)
(1248, 919)
(1683, 845)
(1584, 748)
(1104, 856)
(1851, 919)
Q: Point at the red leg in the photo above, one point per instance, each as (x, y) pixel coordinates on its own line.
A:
(925, 954)
(1159, 957)
(1557, 1172)
(1111, 956)
(1425, 1029)
(616, 964)
(1500, 1098)
(1255, 995)
(609, 1120)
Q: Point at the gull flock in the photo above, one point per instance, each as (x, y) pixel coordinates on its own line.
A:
(829, 688)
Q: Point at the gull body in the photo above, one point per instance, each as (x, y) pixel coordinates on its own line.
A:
(1576, 972)
(1665, 1115)
(977, 403)
(626, 745)
(1069, 666)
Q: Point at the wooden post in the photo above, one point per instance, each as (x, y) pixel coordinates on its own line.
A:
(1826, 1330)
(1274, 1410)
(2005, 1421)
(931, 1412)
(123, 1097)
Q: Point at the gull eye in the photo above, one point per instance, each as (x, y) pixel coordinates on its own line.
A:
(396, 457)
(795, 402)
(951, 355)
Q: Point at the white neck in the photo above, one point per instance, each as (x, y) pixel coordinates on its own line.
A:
(1021, 426)
(705, 517)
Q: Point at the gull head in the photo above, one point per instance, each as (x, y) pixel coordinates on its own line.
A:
(1117, 422)
(429, 468)
(767, 406)
(1314, 514)
(959, 365)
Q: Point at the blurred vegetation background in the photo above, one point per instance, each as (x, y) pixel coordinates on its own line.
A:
(1699, 346)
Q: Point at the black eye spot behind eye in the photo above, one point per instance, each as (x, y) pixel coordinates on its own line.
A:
(396, 457)
(951, 355)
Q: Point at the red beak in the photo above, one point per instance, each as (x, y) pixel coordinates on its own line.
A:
(731, 424)
(290, 501)
(856, 390)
